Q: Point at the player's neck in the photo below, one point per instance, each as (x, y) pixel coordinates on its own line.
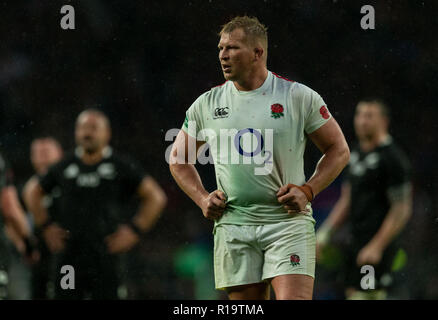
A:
(92, 158)
(369, 144)
(254, 80)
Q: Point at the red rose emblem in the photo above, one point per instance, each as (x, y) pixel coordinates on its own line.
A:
(277, 110)
(324, 112)
(294, 258)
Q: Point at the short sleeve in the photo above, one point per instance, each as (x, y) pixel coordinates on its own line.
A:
(132, 174)
(398, 174)
(49, 180)
(316, 112)
(193, 122)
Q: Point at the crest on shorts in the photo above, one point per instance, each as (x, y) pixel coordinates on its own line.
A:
(294, 260)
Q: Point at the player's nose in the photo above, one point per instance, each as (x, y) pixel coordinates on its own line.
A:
(223, 56)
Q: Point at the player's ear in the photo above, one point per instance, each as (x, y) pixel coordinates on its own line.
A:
(108, 135)
(258, 53)
(387, 121)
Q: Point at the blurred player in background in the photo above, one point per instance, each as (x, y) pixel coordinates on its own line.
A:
(14, 227)
(376, 197)
(94, 224)
(264, 229)
(44, 152)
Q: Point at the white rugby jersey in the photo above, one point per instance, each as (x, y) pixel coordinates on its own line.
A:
(257, 139)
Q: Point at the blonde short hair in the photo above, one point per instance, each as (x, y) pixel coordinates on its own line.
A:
(254, 30)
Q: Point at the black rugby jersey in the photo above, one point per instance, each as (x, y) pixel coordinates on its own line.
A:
(375, 177)
(93, 199)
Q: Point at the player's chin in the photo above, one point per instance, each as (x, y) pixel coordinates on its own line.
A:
(228, 76)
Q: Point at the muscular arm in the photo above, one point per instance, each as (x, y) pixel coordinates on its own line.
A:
(394, 222)
(33, 197)
(153, 200)
(187, 177)
(331, 142)
(182, 169)
(30, 184)
(13, 212)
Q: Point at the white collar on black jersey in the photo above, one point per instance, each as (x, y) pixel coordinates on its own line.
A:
(386, 141)
(106, 152)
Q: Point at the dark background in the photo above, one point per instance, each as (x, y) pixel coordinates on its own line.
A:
(144, 63)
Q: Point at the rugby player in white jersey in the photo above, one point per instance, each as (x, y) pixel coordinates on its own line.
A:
(264, 230)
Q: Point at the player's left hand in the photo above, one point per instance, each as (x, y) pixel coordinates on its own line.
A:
(370, 254)
(293, 199)
(122, 240)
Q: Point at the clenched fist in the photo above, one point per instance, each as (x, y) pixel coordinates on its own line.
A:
(293, 199)
(214, 205)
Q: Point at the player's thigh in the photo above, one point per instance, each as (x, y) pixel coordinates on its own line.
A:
(255, 291)
(293, 287)
(104, 283)
(289, 249)
(238, 260)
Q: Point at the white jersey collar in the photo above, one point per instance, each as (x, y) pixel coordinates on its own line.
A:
(262, 88)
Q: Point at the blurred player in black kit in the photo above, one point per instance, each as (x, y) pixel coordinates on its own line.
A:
(44, 152)
(94, 226)
(14, 226)
(377, 198)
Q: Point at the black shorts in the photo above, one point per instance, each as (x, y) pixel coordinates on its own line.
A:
(384, 278)
(96, 277)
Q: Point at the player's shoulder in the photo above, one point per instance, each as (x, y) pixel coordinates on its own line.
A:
(69, 158)
(393, 151)
(120, 157)
(117, 157)
(284, 80)
(304, 96)
(220, 87)
(217, 91)
(301, 90)
(390, 146)
(209, 97)
(123, 160)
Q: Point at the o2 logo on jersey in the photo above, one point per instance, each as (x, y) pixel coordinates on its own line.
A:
(251, 145)
(225, 146)
(260, 144)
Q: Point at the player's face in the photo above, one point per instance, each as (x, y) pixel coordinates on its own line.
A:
(92, 132)
(368, 120)
(44, 153)
(235, 55)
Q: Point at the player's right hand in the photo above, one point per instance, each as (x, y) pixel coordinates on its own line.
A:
(55, 237)
(213, 205)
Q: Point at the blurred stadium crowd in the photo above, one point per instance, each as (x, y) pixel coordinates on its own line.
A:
(144, 63)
